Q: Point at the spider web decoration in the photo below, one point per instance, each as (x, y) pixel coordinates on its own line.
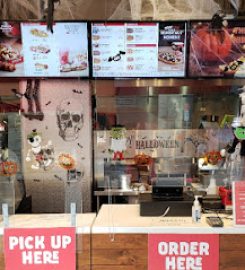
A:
(120, 9)
(166, 9)
(20, 9)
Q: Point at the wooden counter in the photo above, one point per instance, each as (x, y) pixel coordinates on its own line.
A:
(119, 239)
(84, 223)
(119, 231)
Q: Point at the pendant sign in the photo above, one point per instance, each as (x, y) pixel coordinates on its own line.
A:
(183, 252)
(40, 248)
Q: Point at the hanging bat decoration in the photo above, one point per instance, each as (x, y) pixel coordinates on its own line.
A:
(77, 91)
(58, 177)
(79, 145)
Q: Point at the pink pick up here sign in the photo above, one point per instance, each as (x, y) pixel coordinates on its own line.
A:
(40, 248)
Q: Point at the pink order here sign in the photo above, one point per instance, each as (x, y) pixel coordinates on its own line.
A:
(183, 252)
(40, 248)
(238, 199)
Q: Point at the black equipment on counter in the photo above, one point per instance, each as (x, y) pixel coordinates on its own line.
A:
(167, 187)
(168, 198)
(212, 202)
(154, 208)
(215, 221)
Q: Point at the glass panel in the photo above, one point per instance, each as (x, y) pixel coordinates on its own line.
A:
(164, 111)
(168, 132)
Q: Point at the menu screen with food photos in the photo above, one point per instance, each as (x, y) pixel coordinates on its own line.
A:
(28, 49)
(217, 51)
(138, 49)
(11, 53)
(61, 54)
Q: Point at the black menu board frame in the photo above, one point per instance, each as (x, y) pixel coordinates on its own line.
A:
(214, 65)
(63, 73)
(117, 55)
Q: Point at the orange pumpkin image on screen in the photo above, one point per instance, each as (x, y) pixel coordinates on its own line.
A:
(212, 42)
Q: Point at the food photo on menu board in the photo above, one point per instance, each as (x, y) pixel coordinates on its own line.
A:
(217, 50)
(138, 49)
(73, 49)
(61, 54)
(172, 49)
(11, 54)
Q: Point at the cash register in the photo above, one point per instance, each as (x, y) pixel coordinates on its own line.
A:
(168, 197)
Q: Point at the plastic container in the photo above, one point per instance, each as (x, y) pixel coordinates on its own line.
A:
(126, 181)
(212, 187)
(196, 210)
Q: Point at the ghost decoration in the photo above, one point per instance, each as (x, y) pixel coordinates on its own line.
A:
(118, 142)
(70, 119)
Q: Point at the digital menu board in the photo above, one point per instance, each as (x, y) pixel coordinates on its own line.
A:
(217, 52)
(28, 49)
(11, 54)
(138, 49)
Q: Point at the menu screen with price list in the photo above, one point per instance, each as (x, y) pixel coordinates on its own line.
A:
(138, 49)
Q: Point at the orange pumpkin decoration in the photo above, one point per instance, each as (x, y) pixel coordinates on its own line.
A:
(142, 159)
(66, 161)
(8, 168)
(213, 157)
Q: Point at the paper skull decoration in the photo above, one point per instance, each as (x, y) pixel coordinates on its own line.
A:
(70, 119)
